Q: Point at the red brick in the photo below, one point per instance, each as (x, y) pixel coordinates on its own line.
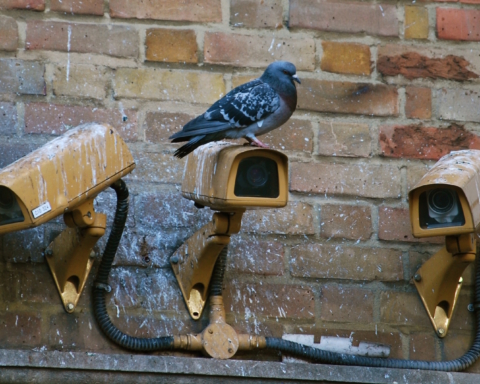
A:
(256, 14)
(82, 7)
(55, 119)
(413, 65)
(417, 142)
(458, 24)
(8, 118)
(12, 150)
(20, 330)
(346, 221)
(294, 135)
(269, 300)
(462, 318)
(345, 97)
(347, 263)
(8, 34)
(171, 45)
(352, 305)
(423, 347)
(253, 256)
(349, 58)
(344, 16)
(456, 344)
(19, 250)
(256, 51)
(404, 308)
(118, 41)
(35, 5)
(159, 126)
(378, 181)
(419, 103)
(344, 139)
(187, 10)
(23, 77)
(394, 224)
(295, 219)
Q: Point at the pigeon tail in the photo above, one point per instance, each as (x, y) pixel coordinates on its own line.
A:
(193, 144)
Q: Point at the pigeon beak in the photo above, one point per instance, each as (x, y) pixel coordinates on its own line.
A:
(295, 77)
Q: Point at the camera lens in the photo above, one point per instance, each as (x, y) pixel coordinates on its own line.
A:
(6, 198)
(441, 201)
(257, 176)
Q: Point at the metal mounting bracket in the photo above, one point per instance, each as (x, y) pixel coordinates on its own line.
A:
(438, 283)
(70, 258)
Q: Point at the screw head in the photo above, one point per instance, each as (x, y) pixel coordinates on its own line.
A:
(441, 331)
(92, 254)
(210, 331)
(174, 259)
(48, 252)
(417, 277)
(471, 308)
(70, 306)
(230, 350)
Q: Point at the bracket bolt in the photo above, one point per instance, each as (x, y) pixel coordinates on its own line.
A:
(471, 308)
(174, 259)
(417, 277)
(48, 252)
(441, 331)
(230, 350)
(70, 306)
(210, 331)
(92, 254)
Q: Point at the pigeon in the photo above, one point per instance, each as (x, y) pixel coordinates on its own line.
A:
(251, 109)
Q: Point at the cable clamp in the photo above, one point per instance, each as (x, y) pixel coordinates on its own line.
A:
(106, 287)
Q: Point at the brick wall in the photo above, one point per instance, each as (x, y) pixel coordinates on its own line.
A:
(388, 87)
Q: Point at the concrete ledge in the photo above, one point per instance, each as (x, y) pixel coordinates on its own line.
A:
(79, 367)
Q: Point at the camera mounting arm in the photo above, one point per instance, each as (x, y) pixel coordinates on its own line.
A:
(439, 280)
(194, 261)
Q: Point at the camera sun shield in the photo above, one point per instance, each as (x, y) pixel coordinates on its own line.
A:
(224, 176)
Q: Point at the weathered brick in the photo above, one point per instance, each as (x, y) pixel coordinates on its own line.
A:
(188, 10)
(20, 330)
(451, 63)
(13, 150)
(157, 167)
(8, 118)
(82, 7)
(419, 103)
(254, 256)
(458, 24)
(413, 65)
(24, 246)
(171, 45)
(270, 300)
(394, 224)
(160, 84)
(344, 139)
(378, 181)
(8, 33)
(346, 221)
(462, 318)
(347, 263)
(352, 305)
(347, 58)
(256, 51)
(295, 135)
(295, 219)
(456, 344)
(344, 16)
(118, 41)
(35, 5)
(415, 141)
(256, 14)
(80, 81)
(33, 283)
(242, 79)
(345, 97)
(416, 22)
(159, 126)
(55, 119)
(458, 104)
(423, 346)
(24, 77)
(403, 308)
(415, 172)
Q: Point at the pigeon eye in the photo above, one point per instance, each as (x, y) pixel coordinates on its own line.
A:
(285, 72)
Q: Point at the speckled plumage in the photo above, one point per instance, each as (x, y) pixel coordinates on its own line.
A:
(251, 109)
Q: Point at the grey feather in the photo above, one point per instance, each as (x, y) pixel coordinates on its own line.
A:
(251, 109)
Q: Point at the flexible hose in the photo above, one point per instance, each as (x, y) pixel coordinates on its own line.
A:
(101, 284)
(321, 356)
(216, 283)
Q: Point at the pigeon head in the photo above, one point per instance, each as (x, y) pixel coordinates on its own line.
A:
(280, 73)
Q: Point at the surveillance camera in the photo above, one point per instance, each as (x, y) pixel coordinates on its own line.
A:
(61, 176)
(446, 200)
(225, 177)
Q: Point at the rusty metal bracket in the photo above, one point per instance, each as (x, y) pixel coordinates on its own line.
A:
(439, 281)
(193, 262)
(70, 256)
